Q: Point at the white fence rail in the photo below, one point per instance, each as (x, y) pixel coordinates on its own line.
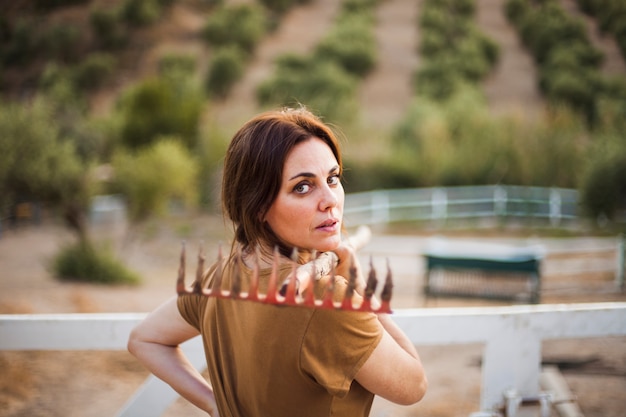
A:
(512, 337)
(468, 202)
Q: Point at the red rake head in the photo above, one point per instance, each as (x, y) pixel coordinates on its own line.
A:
(289, 293)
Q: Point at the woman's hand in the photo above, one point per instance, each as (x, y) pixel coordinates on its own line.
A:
(349, 264)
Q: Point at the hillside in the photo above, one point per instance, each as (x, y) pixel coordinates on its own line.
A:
(384, 94)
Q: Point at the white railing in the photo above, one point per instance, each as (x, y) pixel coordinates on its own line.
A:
(512, 337)
(467, 202)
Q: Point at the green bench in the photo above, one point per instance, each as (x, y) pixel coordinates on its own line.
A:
(480, 270)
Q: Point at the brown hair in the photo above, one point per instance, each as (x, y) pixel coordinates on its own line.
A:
(253, 169)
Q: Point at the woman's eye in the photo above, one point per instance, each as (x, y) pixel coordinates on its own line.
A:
(302, 188)
(333, 180)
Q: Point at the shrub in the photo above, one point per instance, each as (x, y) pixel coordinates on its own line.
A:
(160, 106)
(109, 29)
(226, 68)
(322, 86)
(603, 188)
(351, 45)
(174, 63)
(53, 4)
(141, 12)
(62, 42)
(24, 43)
(438, 79)
(611, 17)
(84, 263)
(516, 10)
(154, 176)
(242, 25)
(280, 6)
(548, 27)
(454, 50)
(94, 71)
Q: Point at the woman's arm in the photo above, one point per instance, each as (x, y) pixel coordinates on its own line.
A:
(394, 370)
(155, 342)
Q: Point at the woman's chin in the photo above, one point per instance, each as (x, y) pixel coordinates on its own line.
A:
(328, 245)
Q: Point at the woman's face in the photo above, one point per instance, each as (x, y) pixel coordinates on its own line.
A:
(308, 210)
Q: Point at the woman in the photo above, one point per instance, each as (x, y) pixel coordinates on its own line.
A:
(281, 189)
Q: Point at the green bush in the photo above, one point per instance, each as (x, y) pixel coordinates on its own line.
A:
(455, 51)
(226, 68)
(24, 43)
(83, 263)
(109, 28)
(53, 4)
(280, 6)
(174, 63)
(322, 86)
(568, 63)
(241, 25)
(516, 10)
(611, 17)
(351, 45)
(603, 188)
(549, 27)
(155, 176)
(353, 7)
(458, 142)
(160, 106)
(438, 79)
(141, 12)
(94, 71)
(61, 42)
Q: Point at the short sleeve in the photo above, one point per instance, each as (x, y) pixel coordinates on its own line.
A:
(191, 306)
(336, 345)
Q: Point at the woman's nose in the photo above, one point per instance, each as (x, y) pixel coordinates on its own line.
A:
(328, 199)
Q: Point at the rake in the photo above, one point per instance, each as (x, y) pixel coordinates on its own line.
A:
(291, 292)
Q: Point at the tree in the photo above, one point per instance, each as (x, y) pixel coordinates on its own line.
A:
(154, 176)
(37, 162)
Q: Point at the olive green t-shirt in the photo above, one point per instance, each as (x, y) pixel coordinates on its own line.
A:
(279, 361)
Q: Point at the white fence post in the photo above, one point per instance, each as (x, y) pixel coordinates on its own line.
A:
(439, 201)
(499, 201)
(380, 207)
(555, 207)
(512, 361)
(621, 254)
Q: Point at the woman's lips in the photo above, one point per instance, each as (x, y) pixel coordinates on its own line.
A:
(329, 225)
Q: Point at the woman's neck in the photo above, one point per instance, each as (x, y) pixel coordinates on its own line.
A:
(264, 256)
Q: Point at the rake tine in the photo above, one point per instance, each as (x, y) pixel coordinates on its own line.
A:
(347, 299)
(180, 281)
(235, 287)
(291, 283)
(372, 282)
(387, 290)
(270, 297)
(309, 291)
(216, 288)
(328, 300)
(370, 288)
(253, 291)
(291, 289)
(197, 285)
